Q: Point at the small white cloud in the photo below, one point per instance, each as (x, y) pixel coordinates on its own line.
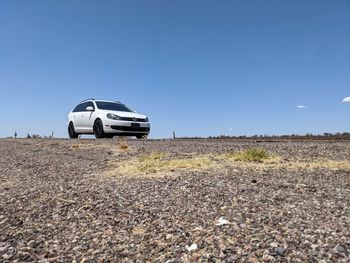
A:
(346, 100)
(302, 107)
(231, 129)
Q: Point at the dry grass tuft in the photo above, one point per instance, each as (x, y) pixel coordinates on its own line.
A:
(160, 162)
(76, 146)
(250, 155)
(275, 162)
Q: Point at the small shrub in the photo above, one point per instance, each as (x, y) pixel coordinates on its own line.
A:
(35, 136)
(251, 155)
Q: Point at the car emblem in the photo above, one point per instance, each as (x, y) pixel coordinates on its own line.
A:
(134, 119)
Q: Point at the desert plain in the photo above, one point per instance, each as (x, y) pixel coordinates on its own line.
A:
(183, 200)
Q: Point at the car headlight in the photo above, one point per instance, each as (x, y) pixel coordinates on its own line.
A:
(113, 116)
(146, 120)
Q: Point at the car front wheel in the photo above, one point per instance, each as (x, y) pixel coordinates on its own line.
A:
(98, 129)
(71, 131)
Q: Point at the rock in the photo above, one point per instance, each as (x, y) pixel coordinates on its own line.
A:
(3, 247)
(191, 248)
(339, 248)
(280, 250)
(274, 245)
(31, 243)
(222, 221)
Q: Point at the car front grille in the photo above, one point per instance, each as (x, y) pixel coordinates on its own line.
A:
(132, 119)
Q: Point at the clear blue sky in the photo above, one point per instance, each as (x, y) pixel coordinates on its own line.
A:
(200, 68)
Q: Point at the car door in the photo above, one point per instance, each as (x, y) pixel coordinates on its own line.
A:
(87, 117)
(78, 117)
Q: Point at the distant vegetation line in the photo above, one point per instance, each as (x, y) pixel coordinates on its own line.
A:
(308, 136)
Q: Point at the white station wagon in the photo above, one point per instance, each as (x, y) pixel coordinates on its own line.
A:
(106, 119)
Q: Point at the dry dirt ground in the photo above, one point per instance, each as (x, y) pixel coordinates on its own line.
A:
(173, 201)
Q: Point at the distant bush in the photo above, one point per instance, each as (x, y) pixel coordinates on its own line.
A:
(251, 155)
(35, 136)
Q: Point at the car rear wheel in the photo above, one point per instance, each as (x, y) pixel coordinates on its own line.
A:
(98, 129)
(71, 131)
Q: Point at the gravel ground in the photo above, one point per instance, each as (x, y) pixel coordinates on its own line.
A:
(58, 205)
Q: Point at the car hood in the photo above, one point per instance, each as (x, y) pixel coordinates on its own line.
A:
(126, 114)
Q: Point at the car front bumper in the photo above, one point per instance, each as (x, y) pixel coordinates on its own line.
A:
(127, 127)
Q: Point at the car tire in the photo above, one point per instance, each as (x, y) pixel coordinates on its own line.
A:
(111, 136)
(71, 131)
(142, 136)
(98, 129)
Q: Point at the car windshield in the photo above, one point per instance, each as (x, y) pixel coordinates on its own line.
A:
(105, 105)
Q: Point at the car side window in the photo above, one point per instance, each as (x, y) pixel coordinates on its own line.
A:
(77, 108)
(82, 106)
(89, 104)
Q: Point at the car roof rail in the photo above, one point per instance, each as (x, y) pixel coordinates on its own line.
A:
(87, 100)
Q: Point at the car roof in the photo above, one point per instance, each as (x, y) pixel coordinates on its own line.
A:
(101, 100)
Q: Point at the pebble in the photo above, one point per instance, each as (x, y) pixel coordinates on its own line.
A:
(339, 248)
(192, 247)
(274, 245)
(3, 249)
(222, 221)
(280, 250)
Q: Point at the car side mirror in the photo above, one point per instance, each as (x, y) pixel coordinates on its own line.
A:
(89, 108)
